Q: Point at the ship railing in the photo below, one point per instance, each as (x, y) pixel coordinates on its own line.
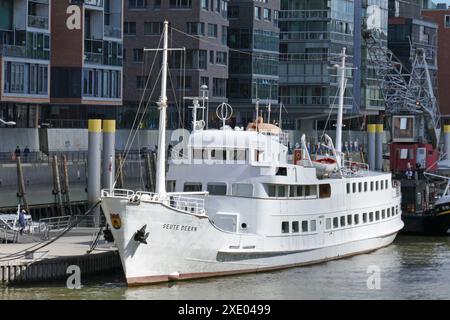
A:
(355, 167)
(179, 201)
(119, 193)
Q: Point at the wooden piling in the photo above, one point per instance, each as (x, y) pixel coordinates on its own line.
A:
(21, 185)
(66, 185)
(57, 185)
(119, 167)
(149, 173)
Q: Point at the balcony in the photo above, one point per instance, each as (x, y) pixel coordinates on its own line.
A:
(303, 14)
(113, 32)
(94, 3)
(38, 22)
(96, 58)
(7, 50)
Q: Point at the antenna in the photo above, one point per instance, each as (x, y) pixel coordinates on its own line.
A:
(224, 112)
(197, 125)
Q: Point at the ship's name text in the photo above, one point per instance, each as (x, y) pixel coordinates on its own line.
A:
(179, 227)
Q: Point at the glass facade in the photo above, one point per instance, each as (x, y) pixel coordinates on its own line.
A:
(312, 35)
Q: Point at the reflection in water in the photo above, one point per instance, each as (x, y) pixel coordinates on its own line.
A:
(411, 268)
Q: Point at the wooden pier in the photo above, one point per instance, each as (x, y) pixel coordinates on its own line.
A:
(50, 263)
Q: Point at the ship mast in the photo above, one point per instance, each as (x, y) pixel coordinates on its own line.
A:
(341, 70)
(162, 104)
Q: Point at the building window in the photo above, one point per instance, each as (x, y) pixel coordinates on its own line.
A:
(137, 4)
(138, 55)
(222, 58)
(295, 228)
(196, 28)
(224, 35)
(204, 81)
(267, 14)
(212, 30)
(181, 4)
(204, 4)
(285, 227)
(129, 28)
(233, 12)
(219, 87)
(258, 13)
(447, 22)
(153, 28)
(140, 82)
(211, 57)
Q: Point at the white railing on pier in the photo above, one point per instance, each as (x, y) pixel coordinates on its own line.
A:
(184, 201)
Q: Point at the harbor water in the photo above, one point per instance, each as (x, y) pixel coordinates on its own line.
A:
(411, 268)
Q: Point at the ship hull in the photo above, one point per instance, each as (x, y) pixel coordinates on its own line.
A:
(183, 246)
(427, 224)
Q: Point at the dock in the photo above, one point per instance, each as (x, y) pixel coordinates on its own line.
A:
(19, 264)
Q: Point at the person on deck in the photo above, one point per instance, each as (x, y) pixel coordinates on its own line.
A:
(22, 220)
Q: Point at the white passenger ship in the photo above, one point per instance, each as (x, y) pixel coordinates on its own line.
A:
(237, 206)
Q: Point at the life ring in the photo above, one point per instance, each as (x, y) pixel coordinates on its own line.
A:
(354, 166)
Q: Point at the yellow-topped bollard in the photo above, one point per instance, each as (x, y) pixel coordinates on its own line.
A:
(447, 141)
(94, 165)
(371, 130)
(379, 147)
(109, 153)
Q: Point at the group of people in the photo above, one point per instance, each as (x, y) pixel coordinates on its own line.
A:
(18, 153)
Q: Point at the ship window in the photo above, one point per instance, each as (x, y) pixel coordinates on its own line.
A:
(218, 189)
(304, 226)
(371, 185)
(383, 214)
(365, 217)
(396, 209)
(381, 185)
(324, 190)
(349, 220)
(343, 221)
(282, 191)
(386, 184)
(192, 187)
(348, 187)
(354, 187)
(285, 227)
(328, 224)
(312, 223)
(359, 186)
(292, 190)
(295, 226)
(198, 154)
(356, 218)
(310, 191)
(376, 185)
(218, 154)
(370, 216)
(299, 191)
(377, 215)
(388, 212)
(239, 155)
(272, 191)
(393, 211)
(365, 186)
(335, 222)
(242, 190)
(281, 172)
(170, 185)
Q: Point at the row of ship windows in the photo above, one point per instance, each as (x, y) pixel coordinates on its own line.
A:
(364, 187)
(246, 190)
(340, 222)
